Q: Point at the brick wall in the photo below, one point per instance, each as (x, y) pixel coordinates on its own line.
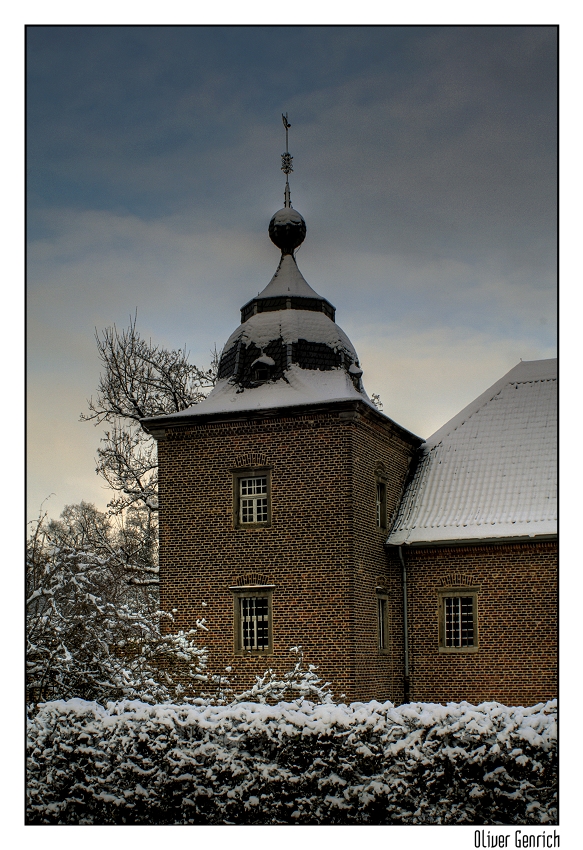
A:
(322, 552)
(325, 556)
(377, 675)
(516, 662)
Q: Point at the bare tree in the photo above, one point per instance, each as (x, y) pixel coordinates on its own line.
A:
(93, 625)
(128, 461)
(129, 540)
(139, 380)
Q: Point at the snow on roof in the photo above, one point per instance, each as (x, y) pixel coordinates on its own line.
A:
(291, 325)
(299, 387)
(288, 280)
(491, 471)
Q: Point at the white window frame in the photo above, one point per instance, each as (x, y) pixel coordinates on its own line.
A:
(251, 509)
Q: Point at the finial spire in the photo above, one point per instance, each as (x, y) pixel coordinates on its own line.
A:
(286, 162)
(287, 228)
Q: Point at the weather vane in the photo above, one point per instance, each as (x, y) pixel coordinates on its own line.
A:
(286, 161)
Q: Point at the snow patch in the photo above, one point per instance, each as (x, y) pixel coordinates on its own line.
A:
(288, 280)
(297, 387)
(290, 326)
(268, 361)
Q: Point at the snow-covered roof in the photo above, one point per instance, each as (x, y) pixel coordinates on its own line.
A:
(298, 387)
(491, 471)
(288, 280)
(290, 326)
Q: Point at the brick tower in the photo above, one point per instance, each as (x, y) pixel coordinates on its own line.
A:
(275, 494)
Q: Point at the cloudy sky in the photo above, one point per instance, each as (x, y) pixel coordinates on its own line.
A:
(424, 165)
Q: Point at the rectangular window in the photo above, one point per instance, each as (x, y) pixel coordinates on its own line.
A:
(383, 621)
(253, 620)
(252, 498)
(458, 619)
(381, 504)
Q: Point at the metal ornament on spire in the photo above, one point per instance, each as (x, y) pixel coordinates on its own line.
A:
(286, 162)
(287, 228)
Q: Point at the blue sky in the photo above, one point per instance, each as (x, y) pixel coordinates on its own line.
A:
(424, 165)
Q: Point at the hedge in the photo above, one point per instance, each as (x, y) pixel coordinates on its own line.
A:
(300, 762)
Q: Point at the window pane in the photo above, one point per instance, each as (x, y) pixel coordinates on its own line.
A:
(382, 612)
(254, 613)
(253, 499)
(261, 509)
(451, 620)
(380, 505)
(466, 621)
(253, 486)
(459, 621)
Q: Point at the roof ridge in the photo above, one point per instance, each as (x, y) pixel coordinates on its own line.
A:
(511, 377)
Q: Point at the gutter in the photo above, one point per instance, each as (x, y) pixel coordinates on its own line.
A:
(473, 541)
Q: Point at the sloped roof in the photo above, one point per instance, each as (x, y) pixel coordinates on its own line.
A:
(300, 387)
(491, 471)
(288, 280)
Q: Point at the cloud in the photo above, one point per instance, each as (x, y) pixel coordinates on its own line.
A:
(424, 165)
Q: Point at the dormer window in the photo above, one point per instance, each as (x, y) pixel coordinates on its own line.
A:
(355, 373)
(261, 373)
(262, 369)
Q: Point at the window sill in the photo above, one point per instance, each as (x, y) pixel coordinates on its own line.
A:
(458, 650)
(253, 653)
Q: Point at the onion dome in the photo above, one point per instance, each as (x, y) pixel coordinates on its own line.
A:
(287, 324)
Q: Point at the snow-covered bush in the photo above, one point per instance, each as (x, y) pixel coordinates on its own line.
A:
(294, 762)
(94, 631)
(92, 634)
(300, 682)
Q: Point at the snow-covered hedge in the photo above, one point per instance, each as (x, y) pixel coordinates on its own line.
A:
(294, 762)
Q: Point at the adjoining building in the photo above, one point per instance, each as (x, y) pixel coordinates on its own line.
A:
(294, 512)
(476, 533)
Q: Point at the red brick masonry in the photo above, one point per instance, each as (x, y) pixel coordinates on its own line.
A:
(325, 557)
(516, 661)
(322, 552)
